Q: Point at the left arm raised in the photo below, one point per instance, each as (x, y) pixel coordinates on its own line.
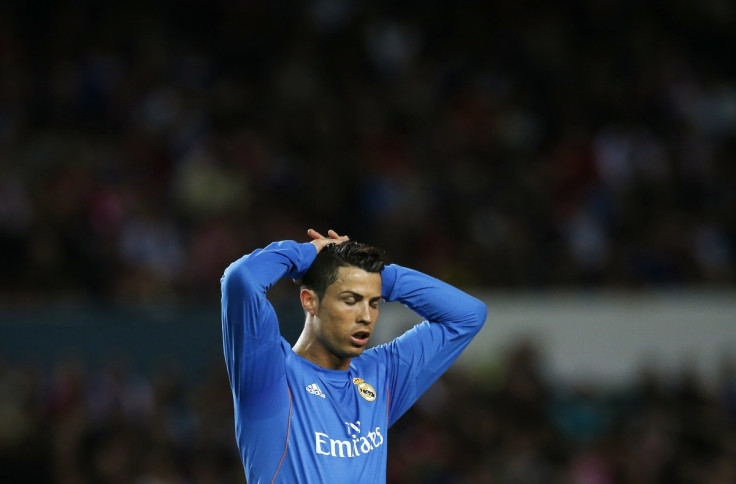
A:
(422, 354)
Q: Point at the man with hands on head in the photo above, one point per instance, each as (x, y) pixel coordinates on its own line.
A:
(320, 412)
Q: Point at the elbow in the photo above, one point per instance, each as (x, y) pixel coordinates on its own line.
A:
(236, 279)
(229, 279)
(479, 311)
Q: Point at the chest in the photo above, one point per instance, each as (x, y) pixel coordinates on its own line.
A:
(348, 406)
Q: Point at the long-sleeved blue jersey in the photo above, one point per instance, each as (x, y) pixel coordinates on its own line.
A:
(296, 422)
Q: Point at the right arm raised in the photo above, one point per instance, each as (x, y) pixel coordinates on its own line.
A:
(250, 328)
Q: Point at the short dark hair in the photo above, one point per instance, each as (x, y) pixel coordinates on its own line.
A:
(323, 270)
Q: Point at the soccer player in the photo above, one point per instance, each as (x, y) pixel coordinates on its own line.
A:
(319, 412)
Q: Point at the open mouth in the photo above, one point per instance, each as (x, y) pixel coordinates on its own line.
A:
(360, 338)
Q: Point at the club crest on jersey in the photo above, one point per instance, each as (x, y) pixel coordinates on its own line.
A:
(365, 389)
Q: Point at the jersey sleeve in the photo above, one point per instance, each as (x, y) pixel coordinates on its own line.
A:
(250, 328)
(418, 357)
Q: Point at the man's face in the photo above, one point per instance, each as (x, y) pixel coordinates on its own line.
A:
(344, 318)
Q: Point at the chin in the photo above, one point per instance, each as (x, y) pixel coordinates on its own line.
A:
(355, 352)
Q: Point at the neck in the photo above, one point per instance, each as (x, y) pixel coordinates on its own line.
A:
(310, 349)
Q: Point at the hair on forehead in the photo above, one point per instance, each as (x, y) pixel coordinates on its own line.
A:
(323, 271)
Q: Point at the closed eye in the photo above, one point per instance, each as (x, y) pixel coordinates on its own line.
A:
(350, 298)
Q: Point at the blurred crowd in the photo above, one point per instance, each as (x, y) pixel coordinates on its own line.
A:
(583, 143)
(516, 425)
(78, 424)
(145, 145)
(510, 424)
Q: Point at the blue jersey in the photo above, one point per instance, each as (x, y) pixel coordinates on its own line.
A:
(296, 422)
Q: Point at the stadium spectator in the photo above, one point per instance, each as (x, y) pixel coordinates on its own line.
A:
(588, 144)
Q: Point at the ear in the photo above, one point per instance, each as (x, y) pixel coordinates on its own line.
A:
(309, 300)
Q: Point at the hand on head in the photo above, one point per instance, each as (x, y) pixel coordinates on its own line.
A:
(320, 241)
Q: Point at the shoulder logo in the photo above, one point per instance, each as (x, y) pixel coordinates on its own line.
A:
(314, 389)
(365, 389)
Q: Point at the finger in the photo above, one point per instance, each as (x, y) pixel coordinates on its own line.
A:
(314, 234)
(334, 235)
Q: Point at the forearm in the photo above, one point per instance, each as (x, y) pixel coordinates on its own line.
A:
(246, 281)
(434, 300)
(261, 269)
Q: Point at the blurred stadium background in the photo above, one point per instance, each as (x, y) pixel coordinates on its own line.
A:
(570, 162)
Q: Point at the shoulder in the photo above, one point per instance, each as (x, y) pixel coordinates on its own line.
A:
(375, 360)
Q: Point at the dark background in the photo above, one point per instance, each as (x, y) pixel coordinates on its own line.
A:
(517, 146)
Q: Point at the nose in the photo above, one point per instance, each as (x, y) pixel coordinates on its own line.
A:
(366, 314)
